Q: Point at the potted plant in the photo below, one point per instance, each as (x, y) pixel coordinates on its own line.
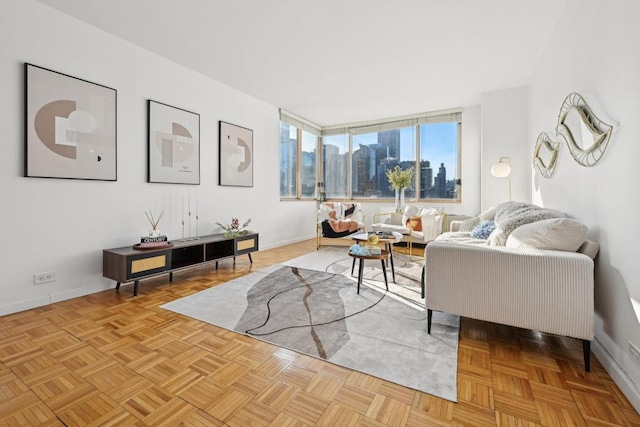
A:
(399, 179)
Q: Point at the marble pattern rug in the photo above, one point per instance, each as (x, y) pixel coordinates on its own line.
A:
(309, 304)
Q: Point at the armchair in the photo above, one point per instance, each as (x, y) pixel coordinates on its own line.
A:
(416, 224)
(338, 220)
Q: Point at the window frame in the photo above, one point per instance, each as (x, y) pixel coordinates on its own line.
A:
(350, 130)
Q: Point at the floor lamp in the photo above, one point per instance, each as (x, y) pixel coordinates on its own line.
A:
(502, 169)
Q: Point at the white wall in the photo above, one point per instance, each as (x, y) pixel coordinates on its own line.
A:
(63, 225)
(595, 52)
(504, 134)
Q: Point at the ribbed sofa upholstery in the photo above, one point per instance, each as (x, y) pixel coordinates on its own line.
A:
(550, 291)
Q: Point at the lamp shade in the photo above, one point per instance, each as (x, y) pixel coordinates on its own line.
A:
(501, 170)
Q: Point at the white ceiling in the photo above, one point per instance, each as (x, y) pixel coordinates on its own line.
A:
(340, 61)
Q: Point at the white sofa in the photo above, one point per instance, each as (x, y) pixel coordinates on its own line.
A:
(416, 224)
(534, 272)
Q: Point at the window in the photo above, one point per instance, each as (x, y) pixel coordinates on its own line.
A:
(353, 161)
(288, 160)
(309, 144)
(298, 158)
(439, 160)
(374, 153)
(335, 166)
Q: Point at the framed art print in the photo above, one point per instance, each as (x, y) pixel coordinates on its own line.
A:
(174, 145)
(236, 155)
(70, 127)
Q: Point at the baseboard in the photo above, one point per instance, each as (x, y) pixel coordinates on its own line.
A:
(617, 373)
(80, 292)
(285, 242)
(43, 300)
(25, 305)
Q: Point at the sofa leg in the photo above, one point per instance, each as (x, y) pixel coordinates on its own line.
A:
(422, 281)
(586, 352)
(429, 316)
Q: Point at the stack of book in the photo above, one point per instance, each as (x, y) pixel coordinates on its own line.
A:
(385, 234)
(153, 242)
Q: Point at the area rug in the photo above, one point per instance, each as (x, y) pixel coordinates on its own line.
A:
(310, 305)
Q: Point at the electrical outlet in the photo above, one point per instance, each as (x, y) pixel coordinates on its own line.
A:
(49, 276)
(634, 352)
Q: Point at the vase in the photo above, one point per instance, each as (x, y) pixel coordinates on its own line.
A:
(154, 233)
(399, 199)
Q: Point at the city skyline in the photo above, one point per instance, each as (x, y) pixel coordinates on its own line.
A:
(373, 154)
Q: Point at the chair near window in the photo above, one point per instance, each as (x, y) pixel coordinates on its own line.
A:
(416, 224)
(350, 214)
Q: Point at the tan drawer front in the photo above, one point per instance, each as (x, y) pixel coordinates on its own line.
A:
(246, 244)
(148, 263)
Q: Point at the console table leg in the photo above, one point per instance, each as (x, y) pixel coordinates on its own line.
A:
(216, 265)
(135, 288)
(117, 286)
(250, 259)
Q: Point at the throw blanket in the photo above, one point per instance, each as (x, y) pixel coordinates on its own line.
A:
(512, 215)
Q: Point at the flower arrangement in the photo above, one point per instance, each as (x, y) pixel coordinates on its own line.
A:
(400, 178)
(234, 229)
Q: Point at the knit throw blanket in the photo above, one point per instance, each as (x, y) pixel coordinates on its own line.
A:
(511, 215)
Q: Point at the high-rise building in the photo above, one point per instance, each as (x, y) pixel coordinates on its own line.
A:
(334, 167)
(440, 183)
(426, 179)
(390, 139)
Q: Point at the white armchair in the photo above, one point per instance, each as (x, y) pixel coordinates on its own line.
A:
(416, 224)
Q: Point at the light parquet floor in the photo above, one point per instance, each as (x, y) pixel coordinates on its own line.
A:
(112, 359)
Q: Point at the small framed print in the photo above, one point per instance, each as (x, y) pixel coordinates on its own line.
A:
(236, 155)
(174, 145)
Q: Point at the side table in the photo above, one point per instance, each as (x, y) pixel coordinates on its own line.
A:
(382, 256)
(388, 245)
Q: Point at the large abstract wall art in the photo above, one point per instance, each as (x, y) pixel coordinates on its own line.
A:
(236, 155)
(174, 145)
(70, 127)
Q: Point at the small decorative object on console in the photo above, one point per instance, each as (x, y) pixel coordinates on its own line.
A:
(234, 229)
(154, 232)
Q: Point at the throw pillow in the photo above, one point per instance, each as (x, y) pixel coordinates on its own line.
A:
(469, 224)
(511, 215)
(414, 223)
(483, 230)
(560, 234)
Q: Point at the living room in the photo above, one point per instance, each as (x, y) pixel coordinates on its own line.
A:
(63, 225)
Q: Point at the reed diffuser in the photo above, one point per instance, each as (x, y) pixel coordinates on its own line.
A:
(154, 232)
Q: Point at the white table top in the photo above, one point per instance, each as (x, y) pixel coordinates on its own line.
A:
(364, 236)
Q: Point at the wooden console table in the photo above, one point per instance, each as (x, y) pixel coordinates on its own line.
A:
(127, 264)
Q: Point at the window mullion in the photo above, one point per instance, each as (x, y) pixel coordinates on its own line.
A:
(350, 168)
(299, 164)
(417, 167)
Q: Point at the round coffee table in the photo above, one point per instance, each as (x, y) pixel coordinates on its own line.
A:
(388, 246)
(381, 256)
